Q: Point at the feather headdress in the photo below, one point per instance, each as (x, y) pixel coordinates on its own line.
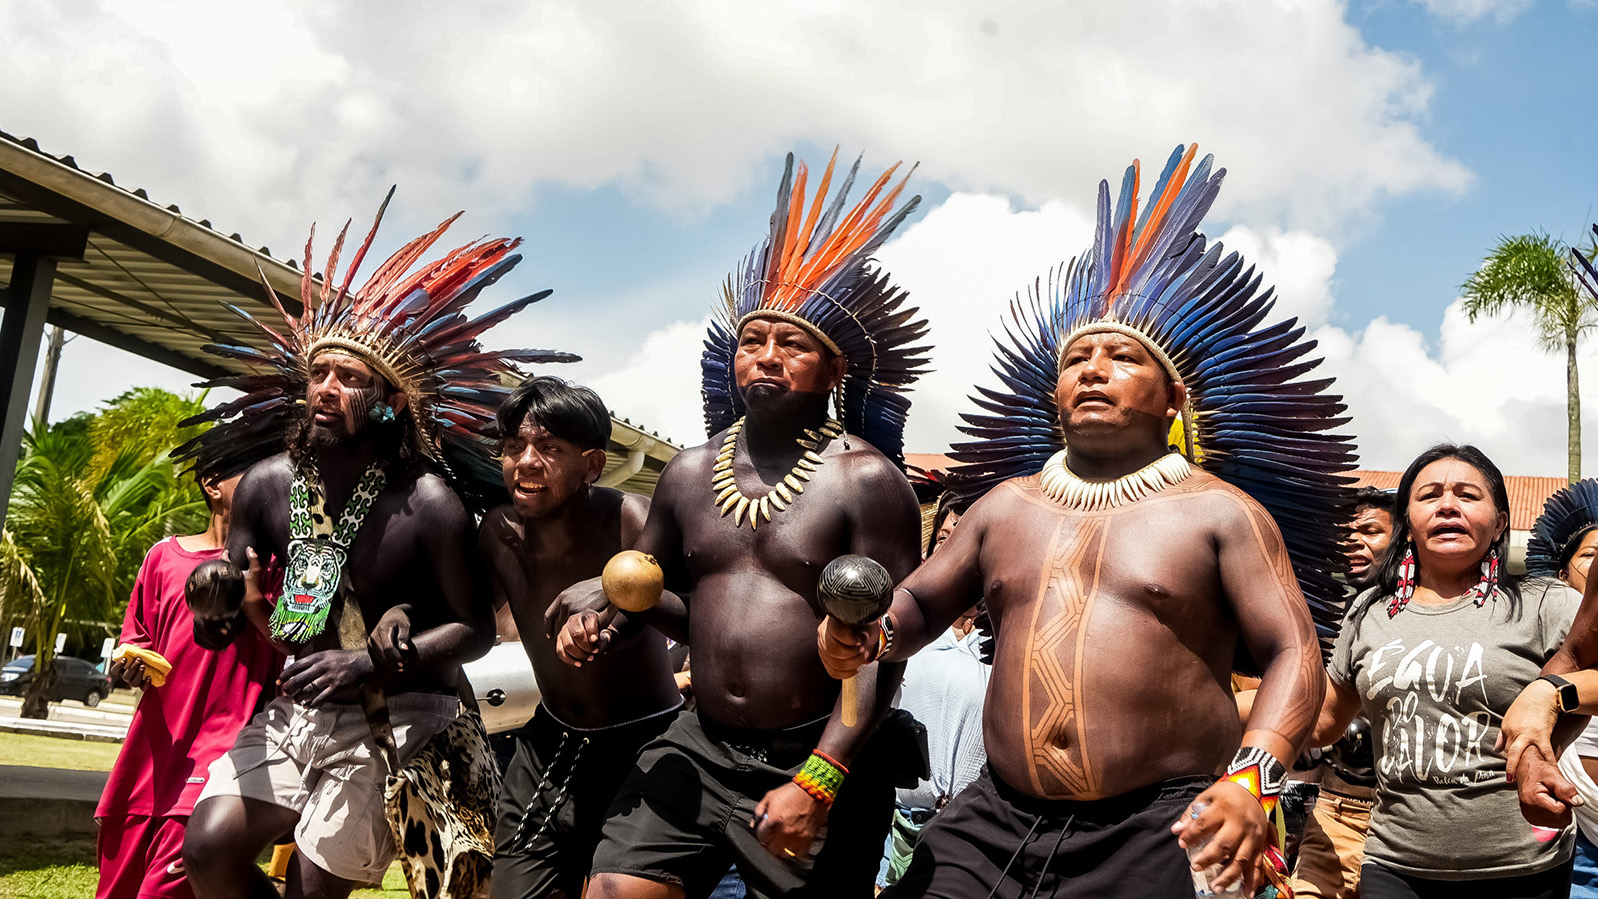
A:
(411, 327)
(1567, 516)
(815, 270)
(1252, 418)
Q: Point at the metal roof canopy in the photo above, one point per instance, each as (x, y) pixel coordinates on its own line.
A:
(81, 253)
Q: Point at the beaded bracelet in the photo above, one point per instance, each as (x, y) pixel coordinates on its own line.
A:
(821, 777)
(884, 637)
(1258, 772)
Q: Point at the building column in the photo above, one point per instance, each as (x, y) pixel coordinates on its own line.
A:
(27, 303)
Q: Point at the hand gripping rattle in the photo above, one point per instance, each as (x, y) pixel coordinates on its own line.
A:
(633, 581)
(857, 591)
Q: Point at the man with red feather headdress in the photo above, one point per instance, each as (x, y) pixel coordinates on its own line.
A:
(368, 430)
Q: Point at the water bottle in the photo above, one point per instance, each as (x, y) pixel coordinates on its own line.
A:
(1201, 879)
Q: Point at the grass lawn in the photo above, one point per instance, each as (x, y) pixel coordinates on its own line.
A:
(56, 752)
(63, 867)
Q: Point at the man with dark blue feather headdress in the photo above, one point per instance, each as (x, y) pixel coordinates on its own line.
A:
(1158, 500)
(770, 772)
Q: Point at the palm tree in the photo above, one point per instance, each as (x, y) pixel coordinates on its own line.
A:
(78, 528)
(1529, 271)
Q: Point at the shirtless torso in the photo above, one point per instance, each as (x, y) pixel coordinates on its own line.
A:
(532, 563)
(415, 551)
(753, 593)
(1103, 618)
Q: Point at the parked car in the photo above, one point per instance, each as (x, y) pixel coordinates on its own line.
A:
(75, 679)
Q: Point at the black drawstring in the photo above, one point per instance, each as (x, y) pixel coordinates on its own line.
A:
(1050, 860)
(1024, 840)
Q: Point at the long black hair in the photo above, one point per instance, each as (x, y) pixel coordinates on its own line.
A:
(1387, 570)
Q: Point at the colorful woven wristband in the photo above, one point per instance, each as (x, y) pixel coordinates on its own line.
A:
(1258, 772)
(821, 777)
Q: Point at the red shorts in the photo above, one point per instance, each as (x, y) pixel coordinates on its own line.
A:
(142, 858)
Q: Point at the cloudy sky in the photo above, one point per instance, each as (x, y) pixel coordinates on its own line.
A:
(1376, 149)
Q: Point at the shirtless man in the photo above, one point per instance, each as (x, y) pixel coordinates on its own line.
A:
(1119, 607)
(743, 526)
(557, 530)
(354, 507)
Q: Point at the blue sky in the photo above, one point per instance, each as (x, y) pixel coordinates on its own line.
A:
(1375, 149)
(1514, 101)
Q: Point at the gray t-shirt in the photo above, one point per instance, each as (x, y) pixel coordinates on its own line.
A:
(1435, 682)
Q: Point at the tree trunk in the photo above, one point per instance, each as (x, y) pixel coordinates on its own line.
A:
(1572, 411)
(36, 704)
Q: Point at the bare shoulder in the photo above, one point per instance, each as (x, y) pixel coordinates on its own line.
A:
(634, 507)
(864, 462)
(273, 471)
(430, 496)
(1226, 509)
(500, 525)
(690, 462)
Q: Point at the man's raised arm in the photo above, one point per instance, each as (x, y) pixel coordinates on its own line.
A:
(924, 605)
(885, 525)
(583, 623)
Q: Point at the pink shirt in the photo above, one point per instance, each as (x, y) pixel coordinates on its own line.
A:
(182, 726)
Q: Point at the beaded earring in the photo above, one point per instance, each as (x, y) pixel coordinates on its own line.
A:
(381, 412)
(1406, 582)
(1487, 587)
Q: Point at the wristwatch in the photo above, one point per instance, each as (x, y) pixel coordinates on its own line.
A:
(1569, 698)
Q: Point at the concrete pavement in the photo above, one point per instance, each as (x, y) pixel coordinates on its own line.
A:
(108, 722)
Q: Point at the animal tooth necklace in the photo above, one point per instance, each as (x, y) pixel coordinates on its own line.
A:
(730, 499)
(1063, 486)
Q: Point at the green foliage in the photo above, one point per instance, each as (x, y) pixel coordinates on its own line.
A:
(142, 423)
(1531, 271)
(90, 496)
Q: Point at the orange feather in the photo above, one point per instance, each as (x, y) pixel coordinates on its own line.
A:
(1173, 187)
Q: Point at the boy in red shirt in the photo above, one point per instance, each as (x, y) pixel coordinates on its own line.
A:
(179, 728)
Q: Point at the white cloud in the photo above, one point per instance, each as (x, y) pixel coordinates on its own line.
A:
(962, 265)
(657, 388)
(1484, 382)
(1465, 12)
(265, 116)
(1297, 263)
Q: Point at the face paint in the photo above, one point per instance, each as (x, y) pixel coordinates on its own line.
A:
(340, 397)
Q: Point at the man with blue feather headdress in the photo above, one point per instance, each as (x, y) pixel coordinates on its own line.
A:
(1159, 499)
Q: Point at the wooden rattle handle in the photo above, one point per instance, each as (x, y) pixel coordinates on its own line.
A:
(851, 701)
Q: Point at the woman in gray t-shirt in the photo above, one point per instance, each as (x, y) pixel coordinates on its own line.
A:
(1433, 656)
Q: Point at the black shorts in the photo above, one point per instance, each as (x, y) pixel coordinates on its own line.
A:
(552, 806)
(1377, 882)
(993, 840)
(684, 815)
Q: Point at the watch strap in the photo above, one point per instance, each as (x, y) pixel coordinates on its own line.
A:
(1569, 696)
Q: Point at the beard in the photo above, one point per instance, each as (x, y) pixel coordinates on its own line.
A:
(319, 436)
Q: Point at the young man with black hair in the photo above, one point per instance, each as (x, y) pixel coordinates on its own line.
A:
(558, 529)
